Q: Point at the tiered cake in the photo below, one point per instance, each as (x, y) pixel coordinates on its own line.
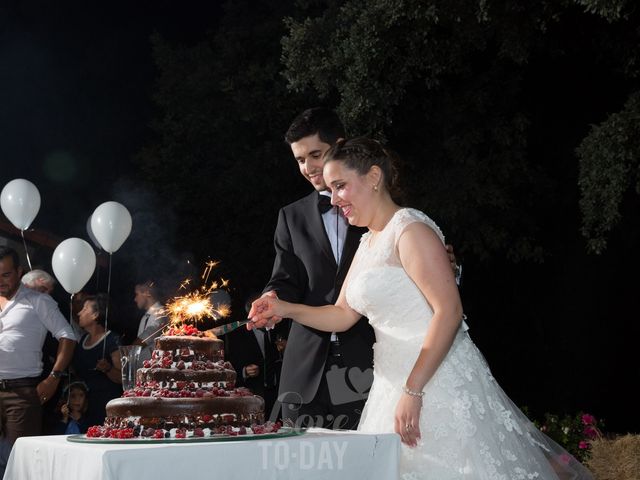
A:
(185, 390)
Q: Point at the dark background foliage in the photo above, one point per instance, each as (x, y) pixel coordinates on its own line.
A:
(518, 125)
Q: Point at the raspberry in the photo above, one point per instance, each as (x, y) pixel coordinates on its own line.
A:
(94, 431)
(180, 365)
(198, 432)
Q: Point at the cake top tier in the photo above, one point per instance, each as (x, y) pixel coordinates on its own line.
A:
(200, 348)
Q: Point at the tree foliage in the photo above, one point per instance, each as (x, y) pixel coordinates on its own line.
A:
(447, 85)
(453, 87)
(612, 10)
(609, 168)
(219, 158)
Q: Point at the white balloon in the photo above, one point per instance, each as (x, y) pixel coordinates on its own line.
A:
(111, 225)
(20, 201)
(92, 237)
(73, 262)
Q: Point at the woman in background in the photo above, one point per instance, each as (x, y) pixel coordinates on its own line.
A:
(96, 359)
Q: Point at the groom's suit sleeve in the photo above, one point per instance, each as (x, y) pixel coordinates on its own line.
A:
(288, 277)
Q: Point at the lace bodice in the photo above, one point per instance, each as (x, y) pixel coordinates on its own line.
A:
(380, 289)
(470, 428)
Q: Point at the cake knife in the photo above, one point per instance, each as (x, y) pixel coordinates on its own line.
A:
(228, 327)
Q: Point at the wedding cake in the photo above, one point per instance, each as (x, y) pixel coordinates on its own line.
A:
(185, 390)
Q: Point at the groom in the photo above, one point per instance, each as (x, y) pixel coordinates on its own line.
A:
(325, 376)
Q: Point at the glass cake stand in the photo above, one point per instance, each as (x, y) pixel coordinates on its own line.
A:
(218, 437)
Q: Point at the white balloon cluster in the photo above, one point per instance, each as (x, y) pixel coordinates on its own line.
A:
(74, 260)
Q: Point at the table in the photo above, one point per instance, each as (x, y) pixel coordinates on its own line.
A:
(318, 454)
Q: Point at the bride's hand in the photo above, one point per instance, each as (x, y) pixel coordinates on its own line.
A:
(407, 419)
(265, 312)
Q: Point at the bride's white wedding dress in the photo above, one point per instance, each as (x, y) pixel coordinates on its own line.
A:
(470, 428)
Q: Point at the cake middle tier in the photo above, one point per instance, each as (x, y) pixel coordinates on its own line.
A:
(173, 378)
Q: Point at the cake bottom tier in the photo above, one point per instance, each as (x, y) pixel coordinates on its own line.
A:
(189, 413)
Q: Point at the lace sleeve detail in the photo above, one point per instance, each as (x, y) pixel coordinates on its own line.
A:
(407, 216)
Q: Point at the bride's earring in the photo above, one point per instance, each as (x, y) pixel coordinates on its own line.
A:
(375, 188)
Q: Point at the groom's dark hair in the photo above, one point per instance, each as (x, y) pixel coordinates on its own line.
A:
(320, 120)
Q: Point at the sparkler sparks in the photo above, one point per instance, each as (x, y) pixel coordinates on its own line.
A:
(196, 306)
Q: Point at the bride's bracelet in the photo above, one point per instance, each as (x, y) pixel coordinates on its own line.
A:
(411, 393)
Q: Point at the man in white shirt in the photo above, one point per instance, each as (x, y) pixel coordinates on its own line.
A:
(153, 320)
(25, 317)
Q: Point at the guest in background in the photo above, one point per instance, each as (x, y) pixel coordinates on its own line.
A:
(73, 409)
(26, 316)
(153, 320)
(97, 358)
(77, 304)
(40, 281)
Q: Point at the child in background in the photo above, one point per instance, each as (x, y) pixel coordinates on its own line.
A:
(73, 409)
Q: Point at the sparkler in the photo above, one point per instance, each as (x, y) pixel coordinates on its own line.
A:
(196, 306)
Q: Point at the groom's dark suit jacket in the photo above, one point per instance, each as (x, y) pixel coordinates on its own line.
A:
(305, 271)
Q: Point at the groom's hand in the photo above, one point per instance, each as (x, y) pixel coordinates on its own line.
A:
(457, 269)
(263, 312)
(275, 318)
(452, 257)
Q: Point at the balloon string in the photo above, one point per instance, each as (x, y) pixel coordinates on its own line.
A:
(98, 276)
(106, 315)
(26, 250)
(68, 368)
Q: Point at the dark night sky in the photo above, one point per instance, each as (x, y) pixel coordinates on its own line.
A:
(75, 92)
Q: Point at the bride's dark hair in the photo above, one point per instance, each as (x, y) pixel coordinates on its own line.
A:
(362, 153)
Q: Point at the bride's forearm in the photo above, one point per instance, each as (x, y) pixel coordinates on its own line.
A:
(435, 347)
(328, 318)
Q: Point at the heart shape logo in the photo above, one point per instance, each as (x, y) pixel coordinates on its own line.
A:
(361, 380)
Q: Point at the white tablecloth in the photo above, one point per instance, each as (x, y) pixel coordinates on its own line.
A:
(318, 454)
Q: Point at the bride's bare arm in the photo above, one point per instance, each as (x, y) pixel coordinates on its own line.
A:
(328, 318)
(425, 259)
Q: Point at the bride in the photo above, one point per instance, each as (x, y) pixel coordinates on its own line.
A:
(431, 385)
